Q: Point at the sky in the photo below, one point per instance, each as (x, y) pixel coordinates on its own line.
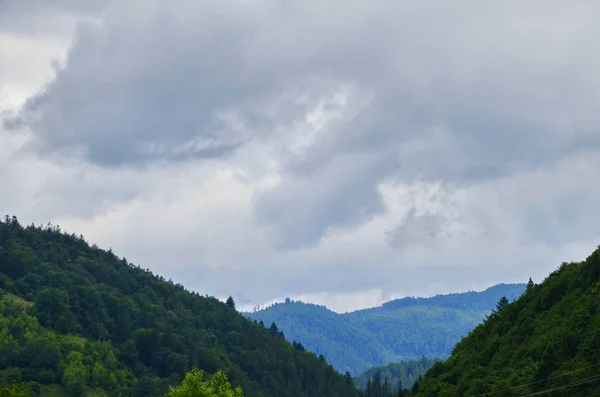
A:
(338, 152)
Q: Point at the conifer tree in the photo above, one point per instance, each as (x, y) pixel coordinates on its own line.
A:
(230, 302)
(502, 302)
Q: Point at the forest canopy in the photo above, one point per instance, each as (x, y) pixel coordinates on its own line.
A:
(77, 319)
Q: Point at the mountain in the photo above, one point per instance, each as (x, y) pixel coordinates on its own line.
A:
(545, 343)
(402, 329)
(76, 320)
(404, 373)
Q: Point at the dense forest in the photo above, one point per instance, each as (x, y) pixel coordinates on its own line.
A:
(400, 375)
(547, 342)
(403, 329)
(76, 320)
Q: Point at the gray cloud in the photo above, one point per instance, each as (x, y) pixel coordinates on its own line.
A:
(156, 82)
(311, 106)
(38, 18)
(302, 208)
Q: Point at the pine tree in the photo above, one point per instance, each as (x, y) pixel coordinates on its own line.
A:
(377, 386)
(348, 379)
(400, 392)
(369, 388)
(530, 284)
(230, 302)
(274, 330)
(501, 303)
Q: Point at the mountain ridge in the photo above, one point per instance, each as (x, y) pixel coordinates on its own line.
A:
(358, 340)
(80, 318)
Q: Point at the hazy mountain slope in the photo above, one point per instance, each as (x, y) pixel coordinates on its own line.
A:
(547, 339)
(405, 372)
(408, 328)
(135, 332)
(325, 332)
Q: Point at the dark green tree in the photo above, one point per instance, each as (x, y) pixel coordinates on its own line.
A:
(502, 302)
(230, 302)
(348, 379)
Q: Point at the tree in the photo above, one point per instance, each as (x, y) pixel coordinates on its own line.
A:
(75, 375)
(530, 284)
(230, 302)
(502, 302)
(348, 379)
(14, 391)
(274, 330)
(401, 392)
(195, 385)
(415, 387)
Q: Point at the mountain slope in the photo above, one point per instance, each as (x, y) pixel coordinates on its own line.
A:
(548, 339)
(402, 329)
(137, 333)
(404, 373)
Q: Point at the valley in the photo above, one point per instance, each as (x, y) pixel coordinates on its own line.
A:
(402, 329)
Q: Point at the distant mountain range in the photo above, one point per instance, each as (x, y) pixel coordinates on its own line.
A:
(402, 329)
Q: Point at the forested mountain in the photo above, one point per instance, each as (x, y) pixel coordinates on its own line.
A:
(77, 320)
(545, 343)
(403, 374)
(403, 329)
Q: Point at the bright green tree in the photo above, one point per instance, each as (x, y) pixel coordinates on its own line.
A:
(195, 385)
(75, 375)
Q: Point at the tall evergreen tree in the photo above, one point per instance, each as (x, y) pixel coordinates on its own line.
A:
(369, 388)
(400, 392)
(502, 302)
(377, 386)
(230, 302)
(348, 379)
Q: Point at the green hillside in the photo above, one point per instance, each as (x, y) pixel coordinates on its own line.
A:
(403, 329)
(77, 320)
(545, 343)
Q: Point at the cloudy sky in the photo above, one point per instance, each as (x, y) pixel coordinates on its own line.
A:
(340, 152)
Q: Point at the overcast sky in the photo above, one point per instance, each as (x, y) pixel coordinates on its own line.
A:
(339, 152)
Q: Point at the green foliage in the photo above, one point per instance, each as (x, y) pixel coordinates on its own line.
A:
(400, 375)
(403, 329)
(74, 375)
(195, 385)
(230, 303)
(545, 340)
(80, 321)
(18, 390)
(502, 302)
